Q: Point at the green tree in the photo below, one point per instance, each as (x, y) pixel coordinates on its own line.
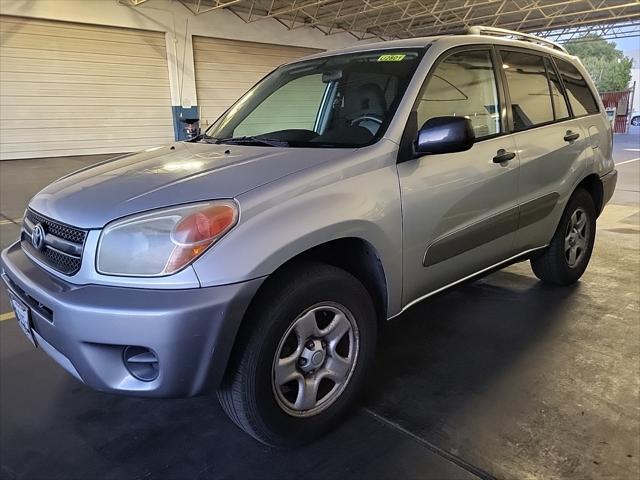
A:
(608, 67)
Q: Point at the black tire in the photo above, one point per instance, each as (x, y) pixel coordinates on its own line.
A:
(553, 266)
(247, 393)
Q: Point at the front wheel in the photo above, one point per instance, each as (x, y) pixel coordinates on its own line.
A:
(566, 258)
(302, 356)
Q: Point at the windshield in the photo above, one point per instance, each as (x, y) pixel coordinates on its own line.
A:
(340, 101)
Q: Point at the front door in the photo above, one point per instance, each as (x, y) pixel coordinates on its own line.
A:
(460, 209)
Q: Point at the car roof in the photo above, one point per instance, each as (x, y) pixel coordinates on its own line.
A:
(453, 40)
(418, 42)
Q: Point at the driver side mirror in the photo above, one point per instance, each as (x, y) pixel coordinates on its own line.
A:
(445, 135)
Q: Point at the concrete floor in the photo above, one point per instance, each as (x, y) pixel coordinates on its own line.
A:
(502, 378)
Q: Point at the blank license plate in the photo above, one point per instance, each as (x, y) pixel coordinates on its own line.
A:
(22, 315)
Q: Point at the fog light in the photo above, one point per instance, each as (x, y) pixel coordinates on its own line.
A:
(141, 362)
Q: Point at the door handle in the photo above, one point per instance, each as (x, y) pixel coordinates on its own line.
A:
(503, 156)
(570, 136)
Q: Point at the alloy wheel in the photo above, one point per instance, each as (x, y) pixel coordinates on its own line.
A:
(315, 359)
(576, 237)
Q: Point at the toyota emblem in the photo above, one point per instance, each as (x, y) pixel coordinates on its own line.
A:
(37, 237)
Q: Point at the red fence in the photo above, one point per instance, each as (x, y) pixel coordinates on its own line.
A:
(621, 102)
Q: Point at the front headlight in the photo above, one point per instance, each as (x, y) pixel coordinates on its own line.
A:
(163, 241)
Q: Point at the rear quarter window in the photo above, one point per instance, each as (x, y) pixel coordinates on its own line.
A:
(580, 96)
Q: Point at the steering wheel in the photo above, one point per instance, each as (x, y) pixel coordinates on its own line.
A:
(366, 117)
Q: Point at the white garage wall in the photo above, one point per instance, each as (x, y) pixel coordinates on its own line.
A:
(179, 25)
(77, 89)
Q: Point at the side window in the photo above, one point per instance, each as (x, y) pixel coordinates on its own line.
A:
(295, 105)
(463, 84)
(528, 88)
(579, 93)
(559, 101)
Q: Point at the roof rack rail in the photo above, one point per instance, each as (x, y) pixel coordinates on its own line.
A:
(501, 32)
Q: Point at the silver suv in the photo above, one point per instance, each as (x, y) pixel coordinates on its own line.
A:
(259, 258)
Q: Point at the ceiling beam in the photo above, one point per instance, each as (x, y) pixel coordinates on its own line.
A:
(386, 19)
(195, 6)
(542, 22)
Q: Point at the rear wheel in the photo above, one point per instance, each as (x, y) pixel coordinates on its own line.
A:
(302, 356)
(567, 256)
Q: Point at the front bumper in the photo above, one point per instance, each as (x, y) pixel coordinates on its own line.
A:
(86, 328)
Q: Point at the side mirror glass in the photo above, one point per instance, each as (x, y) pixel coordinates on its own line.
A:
(445, 135)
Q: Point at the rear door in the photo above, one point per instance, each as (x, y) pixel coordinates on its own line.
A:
(459, 209)
(550, 143)
(585, 109)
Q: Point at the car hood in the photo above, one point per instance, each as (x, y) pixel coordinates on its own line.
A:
(165, 176)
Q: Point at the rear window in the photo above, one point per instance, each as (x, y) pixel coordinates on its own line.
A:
(579, 93)
(528, 88)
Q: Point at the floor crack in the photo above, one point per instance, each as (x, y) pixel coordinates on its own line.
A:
(480, 473)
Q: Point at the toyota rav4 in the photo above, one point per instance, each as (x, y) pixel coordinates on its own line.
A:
(259, 258)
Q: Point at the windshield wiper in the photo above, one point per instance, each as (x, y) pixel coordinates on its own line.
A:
(203, 137)
(251, 139)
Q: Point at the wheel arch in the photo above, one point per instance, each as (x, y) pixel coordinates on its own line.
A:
(593, 185)
(356, 256)
(353, 254)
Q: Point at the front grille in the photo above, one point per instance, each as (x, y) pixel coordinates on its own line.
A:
(60, 230)
(62, 246)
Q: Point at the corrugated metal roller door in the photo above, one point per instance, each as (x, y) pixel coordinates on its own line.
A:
(225, 69)
(73, 89)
